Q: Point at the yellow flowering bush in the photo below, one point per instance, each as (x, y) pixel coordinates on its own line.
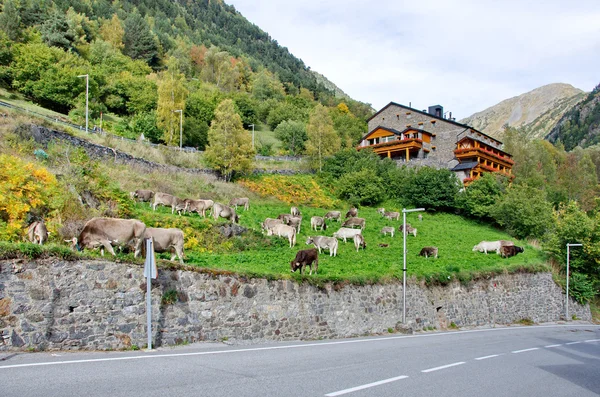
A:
(23, 187)
(297, 189)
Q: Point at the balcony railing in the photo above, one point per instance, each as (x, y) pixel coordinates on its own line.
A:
(481, 152)
(404, 143)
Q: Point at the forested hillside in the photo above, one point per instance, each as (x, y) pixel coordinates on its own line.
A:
(147, 59)
(580, 126)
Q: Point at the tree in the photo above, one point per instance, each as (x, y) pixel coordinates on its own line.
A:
(322, 139)
(363, 187)
(229, 147)
(479, 198)
(293, 135)
(112, 31)
(432, 188)
(10, 20)
(524, 212)
(56, 32)
(139, 42)
(171, 97)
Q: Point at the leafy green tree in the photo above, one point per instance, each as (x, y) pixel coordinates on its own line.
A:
(322, 139)
(293, 135)
(111, 31)
(432, 188)
(524, 212)
(138, 40)
(29, 61)
(145, 123)
(230, 146)
(478, 199)
(363, 187)
(349, 128)
(246, 107)
(267, 86)
(10, 20)
(285, 111)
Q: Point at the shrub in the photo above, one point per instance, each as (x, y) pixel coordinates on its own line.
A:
(431, 188)
(361, 188)
(581, 288)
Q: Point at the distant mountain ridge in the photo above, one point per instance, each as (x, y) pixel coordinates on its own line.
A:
(536, 111)
(580, 126)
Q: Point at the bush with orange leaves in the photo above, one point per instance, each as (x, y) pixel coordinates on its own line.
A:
(24, 188)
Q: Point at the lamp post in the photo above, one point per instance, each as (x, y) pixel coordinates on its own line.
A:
(404, 212)
(252, 125)
(87, 90)
(569, 245)
(180, 111)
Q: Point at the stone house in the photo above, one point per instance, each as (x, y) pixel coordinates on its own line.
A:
(415, 137)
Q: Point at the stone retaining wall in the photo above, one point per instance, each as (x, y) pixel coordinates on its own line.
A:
(55, 304)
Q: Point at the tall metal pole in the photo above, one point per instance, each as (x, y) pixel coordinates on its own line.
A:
(87, 90)
(404, 211)
(252, 125)
(568, 256)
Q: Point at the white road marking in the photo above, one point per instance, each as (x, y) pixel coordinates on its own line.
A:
(573, 343)
(525, 350)
(592, 340)
(549, 346)
(443, 367)
(343, 342)
(486, 357)
(353, 389)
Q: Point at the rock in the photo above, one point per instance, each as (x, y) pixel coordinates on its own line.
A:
(232, 230)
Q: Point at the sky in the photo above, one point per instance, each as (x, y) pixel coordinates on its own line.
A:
(465, 55)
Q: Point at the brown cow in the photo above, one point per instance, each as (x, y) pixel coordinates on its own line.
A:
(506, 251)
(169, 200)
(37, 232)
(224, 211)
(167, 240)
(305, 258)
(337, 215)
(352, 212)
(103, 232)
(245, 201)
(359, 242)
(429, 251)
(351, 222)
(143, 195)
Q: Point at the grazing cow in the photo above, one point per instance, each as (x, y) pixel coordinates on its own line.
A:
(324, 242)
(317, 221)
(103, 232)
(485, 246)
(388, 229)
(305, 258)
(199, 206)
(269, 223)
(351, 222)
(284, 231)
(359, 242)
(429, 251)
(224, 211)
(381, 211)
(295, 222)
(295, 211)
(168, 200)
(352, 212)
(409, 229)
(345, 233)
(167, 240)
(37, 232)
(391, 215)
(284, 217)
(143, 195)
(506, 251)
(245, 201)
(337, 215)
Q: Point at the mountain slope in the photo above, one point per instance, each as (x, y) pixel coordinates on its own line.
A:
(580, 126)
(536, 111)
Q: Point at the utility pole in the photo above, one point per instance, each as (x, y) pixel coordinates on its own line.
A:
(180, 111)
(252, 125)
(404, 212)
(569, 245)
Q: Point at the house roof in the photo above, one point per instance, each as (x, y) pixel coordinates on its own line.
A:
(430, 115)
(465, 166)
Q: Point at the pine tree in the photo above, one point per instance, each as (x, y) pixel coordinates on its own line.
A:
(138, 39)
(229, 147)
(10, 21)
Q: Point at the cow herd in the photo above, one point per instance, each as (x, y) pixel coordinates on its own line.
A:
(108, 233)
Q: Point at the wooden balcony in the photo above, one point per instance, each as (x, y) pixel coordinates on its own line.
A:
(467, 153)
(413, 144)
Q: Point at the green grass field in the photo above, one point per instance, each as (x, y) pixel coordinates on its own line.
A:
(265, 256)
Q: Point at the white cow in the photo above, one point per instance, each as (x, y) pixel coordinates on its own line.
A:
(345, 233)
(485, 246)
(324, 242)
(281, 230)
(38, 233)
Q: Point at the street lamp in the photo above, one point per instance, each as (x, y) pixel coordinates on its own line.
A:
(569, 245)
(252, 125)
(87, 90)
(180, 111)
(404, 212)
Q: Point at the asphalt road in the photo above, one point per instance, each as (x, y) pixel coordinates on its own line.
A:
(554, 360)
